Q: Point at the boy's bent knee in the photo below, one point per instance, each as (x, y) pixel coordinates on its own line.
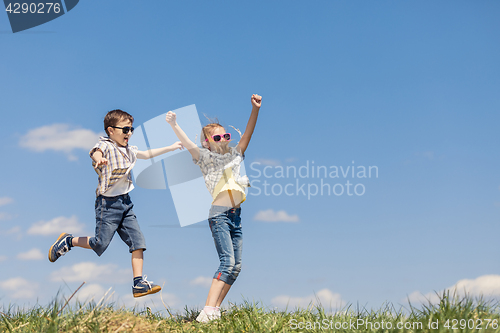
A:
(99, 250)
(98, 246)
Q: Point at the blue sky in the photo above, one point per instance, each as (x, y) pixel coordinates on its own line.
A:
(409, 87)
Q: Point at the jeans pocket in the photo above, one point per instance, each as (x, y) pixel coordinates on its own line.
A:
(108, 202)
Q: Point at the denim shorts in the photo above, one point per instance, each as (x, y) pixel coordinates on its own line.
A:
(115, 214)
(225, 224)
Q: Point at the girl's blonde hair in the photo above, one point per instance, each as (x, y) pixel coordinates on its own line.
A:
(207, 129)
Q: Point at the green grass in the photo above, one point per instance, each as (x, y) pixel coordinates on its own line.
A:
(461, 314)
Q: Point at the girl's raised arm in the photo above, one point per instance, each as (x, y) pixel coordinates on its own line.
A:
(245, 138)
(171, 118)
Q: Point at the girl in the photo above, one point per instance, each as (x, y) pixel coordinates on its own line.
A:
(220, 165)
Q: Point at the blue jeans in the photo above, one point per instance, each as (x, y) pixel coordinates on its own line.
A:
(115, 214)
(225, 224)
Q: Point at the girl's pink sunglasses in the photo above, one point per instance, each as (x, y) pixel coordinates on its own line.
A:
(218, 137)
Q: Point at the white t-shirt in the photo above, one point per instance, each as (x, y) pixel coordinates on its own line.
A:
(122, 186)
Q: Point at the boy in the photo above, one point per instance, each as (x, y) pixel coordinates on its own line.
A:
(113, 159)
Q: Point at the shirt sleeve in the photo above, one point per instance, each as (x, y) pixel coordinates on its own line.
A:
(203, 154)
(237, 152)
(134, 149)
(102, 146)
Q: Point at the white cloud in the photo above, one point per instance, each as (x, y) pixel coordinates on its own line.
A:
(268, 161)
(202, 281)
(13, 230)
(324, 297)
(5, 201)
(154, 301)
(272, 216)
(56, 226)
(89, 271)
(19, 288)
(59, 137)
(33, 254)
(98, 293)
(3, 258)
(418, 297)
(92, 291)
(5, 216)
(486, 285)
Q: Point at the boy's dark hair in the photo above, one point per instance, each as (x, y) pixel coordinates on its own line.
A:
(114, 117)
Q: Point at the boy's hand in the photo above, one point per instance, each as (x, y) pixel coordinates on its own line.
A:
(256, 100)
(177, 145)
(171, 118)
(101, 161)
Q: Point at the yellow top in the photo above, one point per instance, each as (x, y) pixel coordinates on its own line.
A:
(227, 183)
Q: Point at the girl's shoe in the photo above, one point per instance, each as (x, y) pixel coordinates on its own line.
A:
(145, 287)
(204, 317)
(60, 247)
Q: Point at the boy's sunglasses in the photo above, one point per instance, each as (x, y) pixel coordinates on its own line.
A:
(125, 129)
(218, 137)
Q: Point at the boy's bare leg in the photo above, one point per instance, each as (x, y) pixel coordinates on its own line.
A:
(215, 292)
(141, 287)
(81, 242)
(137, 262)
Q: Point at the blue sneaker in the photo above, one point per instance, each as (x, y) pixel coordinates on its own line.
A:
(60, 247)
(145, 287)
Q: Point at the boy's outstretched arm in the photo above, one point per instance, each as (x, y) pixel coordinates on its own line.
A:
(97, 156)
(144, 155)
(245, 138)
(171, 118)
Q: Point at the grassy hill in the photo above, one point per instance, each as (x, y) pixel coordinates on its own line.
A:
(451, 314)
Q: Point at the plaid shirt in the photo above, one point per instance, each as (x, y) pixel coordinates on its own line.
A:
(118, 163)
(213, 165)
